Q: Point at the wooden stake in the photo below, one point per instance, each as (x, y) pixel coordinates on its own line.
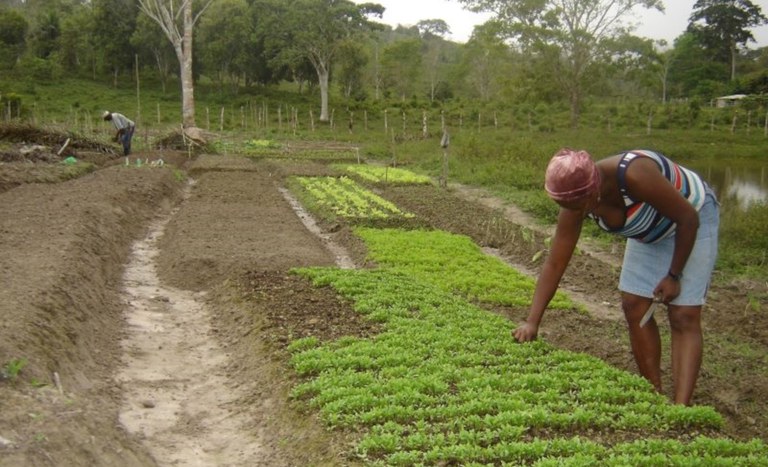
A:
(66, 143)
(57, 381)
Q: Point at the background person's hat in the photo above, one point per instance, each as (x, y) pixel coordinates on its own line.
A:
(105, 114)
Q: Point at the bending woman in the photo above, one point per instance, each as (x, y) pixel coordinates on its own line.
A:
(670, 217)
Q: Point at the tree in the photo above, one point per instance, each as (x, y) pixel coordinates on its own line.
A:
(578, 31)
(316, 29)
(44, 36)
(79, 46)
(224, 34)
(352, 62)
(722, 25)
(433, 27)
(634, 67)
(152, 47)
(486, 59)
(13, 28)
(401, 62)
(178, 25)
(114, 22)
(432, 32)
(664, 59)
(694, 72)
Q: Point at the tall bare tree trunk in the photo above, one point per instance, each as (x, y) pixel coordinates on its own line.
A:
(187, 82)
(162, 12)
(322, 75)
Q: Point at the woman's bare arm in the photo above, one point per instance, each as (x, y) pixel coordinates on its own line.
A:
(567, 234)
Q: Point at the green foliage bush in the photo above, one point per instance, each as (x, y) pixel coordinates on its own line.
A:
(39, 68)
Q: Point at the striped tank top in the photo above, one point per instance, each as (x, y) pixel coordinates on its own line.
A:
(643, 222)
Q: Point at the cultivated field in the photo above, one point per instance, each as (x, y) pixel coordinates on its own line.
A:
(288, 309)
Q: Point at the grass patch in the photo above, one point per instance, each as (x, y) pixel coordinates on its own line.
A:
(11, 370)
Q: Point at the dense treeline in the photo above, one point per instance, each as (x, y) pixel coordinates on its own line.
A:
(527, 59)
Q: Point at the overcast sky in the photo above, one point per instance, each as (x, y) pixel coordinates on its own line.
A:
(650, 23)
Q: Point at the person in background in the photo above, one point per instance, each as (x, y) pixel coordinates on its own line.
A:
(124, 127)
(670, 217)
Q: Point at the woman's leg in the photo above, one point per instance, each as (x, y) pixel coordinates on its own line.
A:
(645, 341)
(687, 345)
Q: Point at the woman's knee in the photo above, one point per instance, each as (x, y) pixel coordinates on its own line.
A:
(685, 318)
(634, 307)
(630, 303)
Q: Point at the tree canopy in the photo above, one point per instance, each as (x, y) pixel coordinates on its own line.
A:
(721, 26)
(530, 54)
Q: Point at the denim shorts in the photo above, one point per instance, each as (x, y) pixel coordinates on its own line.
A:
(645, 264)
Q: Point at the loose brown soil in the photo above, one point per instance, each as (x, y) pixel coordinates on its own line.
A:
(217, 253)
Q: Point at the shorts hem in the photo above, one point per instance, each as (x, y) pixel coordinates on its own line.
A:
(673, 302)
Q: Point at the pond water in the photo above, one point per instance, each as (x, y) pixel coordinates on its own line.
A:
(738, 184)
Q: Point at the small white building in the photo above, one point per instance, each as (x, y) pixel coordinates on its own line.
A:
(727, 101)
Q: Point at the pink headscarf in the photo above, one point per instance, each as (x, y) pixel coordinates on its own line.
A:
(571, 175)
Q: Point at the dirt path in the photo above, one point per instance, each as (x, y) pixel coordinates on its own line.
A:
(187, 394)
(177, 396)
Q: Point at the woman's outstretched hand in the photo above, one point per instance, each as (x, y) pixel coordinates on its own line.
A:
(526, 332)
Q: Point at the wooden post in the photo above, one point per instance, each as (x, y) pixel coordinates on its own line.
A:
(386, 124)
(765, 127)
(311, 120)
(424, 129)
(404, 123)
(650, 122)
(444, 142)
(394, 155)
(138, 91)
(442, 121)
(280, 118)
(221, 119)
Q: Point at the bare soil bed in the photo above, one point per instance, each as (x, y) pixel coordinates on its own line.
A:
(230, 239)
